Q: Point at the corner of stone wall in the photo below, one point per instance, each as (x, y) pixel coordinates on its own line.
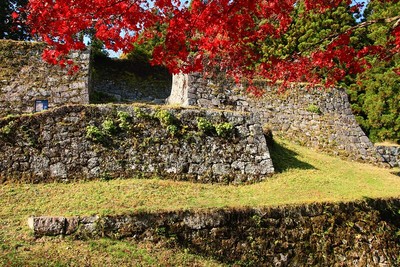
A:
(320, 118)
(179, 91)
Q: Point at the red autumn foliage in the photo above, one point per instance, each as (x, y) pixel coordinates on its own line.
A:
(209, 36)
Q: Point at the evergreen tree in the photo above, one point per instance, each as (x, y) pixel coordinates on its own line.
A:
(375, 94)
(310, 30)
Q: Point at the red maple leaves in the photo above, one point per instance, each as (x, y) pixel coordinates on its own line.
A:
(208, 36)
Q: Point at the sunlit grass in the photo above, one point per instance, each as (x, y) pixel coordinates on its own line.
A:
(304, 176)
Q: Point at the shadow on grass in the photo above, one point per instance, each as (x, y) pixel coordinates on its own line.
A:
(285, 159)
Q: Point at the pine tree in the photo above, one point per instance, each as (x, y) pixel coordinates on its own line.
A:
(310, 30)
(375, 94)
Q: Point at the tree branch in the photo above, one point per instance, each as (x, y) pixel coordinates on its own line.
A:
(364, 24)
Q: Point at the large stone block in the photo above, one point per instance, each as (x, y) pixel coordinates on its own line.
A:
(47, 225)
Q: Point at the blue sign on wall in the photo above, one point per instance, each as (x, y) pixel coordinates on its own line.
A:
(41, 105)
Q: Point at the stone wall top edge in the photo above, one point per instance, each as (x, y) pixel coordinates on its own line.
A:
(311, 208)
(292, 86)
(14, 42)
(287, 210)
(29, 45)
(61, 110)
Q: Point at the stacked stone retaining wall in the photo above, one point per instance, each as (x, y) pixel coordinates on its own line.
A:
(25, 78)
(362, 233)
(319, 118)
(106, 141)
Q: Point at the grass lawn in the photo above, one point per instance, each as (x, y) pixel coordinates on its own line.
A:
(303, 176)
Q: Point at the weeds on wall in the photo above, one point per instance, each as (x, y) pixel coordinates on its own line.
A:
(140, 114)
(7, 129)
(168, 120)
(224, 129)
(204, 125)
(123, 123)
(18, 130)
(94, 134)
(109, 127)
(123, 120)
(165, 117)
(314, 109)
(29, 135)
(173, 130)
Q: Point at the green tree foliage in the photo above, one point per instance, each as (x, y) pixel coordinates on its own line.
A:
(143, 48)
(310, 29)
(375, 94)
(97, 48)
(10, 28)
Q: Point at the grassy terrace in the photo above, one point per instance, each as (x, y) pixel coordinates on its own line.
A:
(303, 176)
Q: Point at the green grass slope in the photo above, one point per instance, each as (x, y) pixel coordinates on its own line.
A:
(304, 176)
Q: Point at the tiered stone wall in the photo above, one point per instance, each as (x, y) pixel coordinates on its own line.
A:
(106, 141)
(24, 78)
(363, 233)
(317, 118)
(391, 154)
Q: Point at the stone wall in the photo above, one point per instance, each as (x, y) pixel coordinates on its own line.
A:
(119, 80)
(106, 141)
(391, 154)
(362, 233)
(318, 118)
(24, 78)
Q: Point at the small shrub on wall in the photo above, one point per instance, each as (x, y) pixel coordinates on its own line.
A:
(314, 109)
(93, 133)
(224, 129)
(109, 127)
(204, 125)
